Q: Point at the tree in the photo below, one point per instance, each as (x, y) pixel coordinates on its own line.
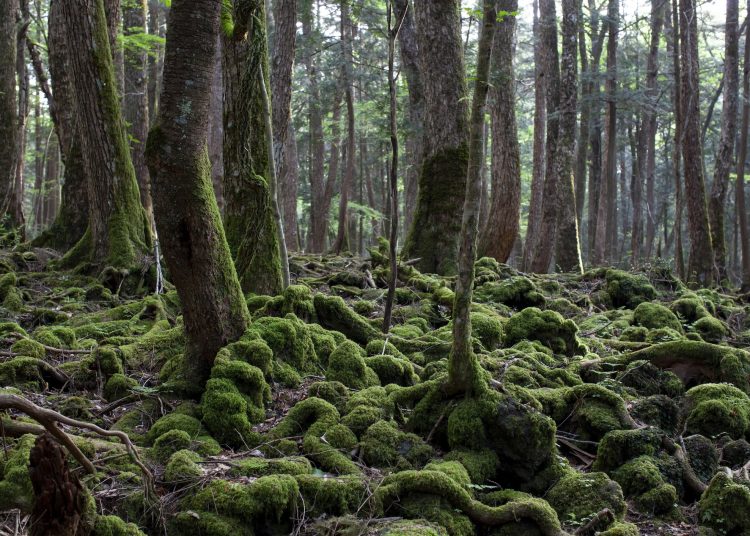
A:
(725, 153)
(568, 247)
(135, 98)
(701, 260)
(463, 367)
(499, 234)
(741, 159)
(435, 231)
(187, 217)
(8, 103)
(251, 229)
(119, 233)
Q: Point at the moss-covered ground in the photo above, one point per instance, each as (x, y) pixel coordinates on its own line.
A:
(617, 403)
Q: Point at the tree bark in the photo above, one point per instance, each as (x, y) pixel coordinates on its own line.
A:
(51, 182)
(701, 261)
(725, 152)
(15, 202)
(673, 46)
(216, 130)
(249, 212)
(113, 12)
(185, 210)
(119, 233)
(135, 98)
(156, 58)
(741, 161)
(499, 233)
(436, 229)
(8, 102)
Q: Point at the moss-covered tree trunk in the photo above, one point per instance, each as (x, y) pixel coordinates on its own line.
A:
(741, 158)
(135, 98)
(503, 216)
(118, 234)
(248, 210)
(463, 368)
(436, 228)
(73, 216)
(8, 104)
(187, 217)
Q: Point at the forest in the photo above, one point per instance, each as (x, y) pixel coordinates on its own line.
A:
(374, 267)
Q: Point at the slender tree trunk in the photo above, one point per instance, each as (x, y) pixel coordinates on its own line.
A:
(119, 232)
(15, 208)
(216, 130)
(595, 132)
(38, 201)
(582, 147)
(155, 59)
(539, 164)
(51, 182)
(185, 210)
(701, 260)
(463, 368)
(8, 102)
(741, 161)
(568, 246)
(136, 97)
(436, 229)
(725, 151)
(285, 148)
(347, 181)
(499, 233)
(606, 218)
(543, 249)
(251, 228)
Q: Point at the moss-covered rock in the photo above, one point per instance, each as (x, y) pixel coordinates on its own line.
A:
(183, 467)
(725, 506)
(346, 364)
(578, 496)
(114, 526)
(335, 315)
(516, 291)
(735, 454)
(117, 386)
(168, 443)
(716, 409)
(628, 290)
(174, 421)
(547, 327)
(384, 445)
(640, 478)
(225, 413)
(654, 316)
(711, 329)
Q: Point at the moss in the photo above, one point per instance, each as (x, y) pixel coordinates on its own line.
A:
(690, 307)
(516, 291)
(249, 381)
(29, 348)
(192, 523)
(725, 506)
(118, 386)
(347, 365)
(324, 341)
(628, 290)
(108, 361)
(702, 455)
(488, 329)
(481, 465)
(716, 409)
(114, 526)
(412, 527)
(547, 327)
(174, 421)
(579, 496)
(15, 487)
(619, 446)
(225, 413)
(656, 410)
(641, 478)
(634, 334)
(332, 496)
(392, 370)
(654, 316)
(168, 443)
(647, 379)
(13, 300)
(182, 467)
(340, 438)
(21, 371)
(620, 528)
(735, 454)
(75, 407)
(7, 281)
(289, 339)
(710, 329)
(298, 299)
(383, 445)
(335, 315)
(335, 393)
(256, 467)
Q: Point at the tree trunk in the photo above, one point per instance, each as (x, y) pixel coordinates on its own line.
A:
(741, 162)
(155, 59)
(185, 210)
(15, 207)
(216, 130)
(436, 229)
(499, 233)
(409, 50)
(51, 182)
(135, 100)
(119, 232)
(539, 163)
(113, 12)
(8, 102)
(725, 151)
(543, 247)
(673, 46)
(463, 369)
(701, 261)
(595, 131)
(347, 181)
(285, 148)
(606, 221)
(38, 201)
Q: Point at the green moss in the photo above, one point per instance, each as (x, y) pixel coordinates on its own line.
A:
(289, 339)
(702, 455)
(725, 506)
(332, 496)
(256, 467)
(690, 307)
(481, 465)
(710, 329)
(654, 316)
(335, 315)
(640, 478)
(249, 381)
(619, 446)
(735, 454)
(335, 393)
(324, 341)
(225, 413)
(109, 361)
(648, 379)
(118, 386)
(383, 445)
(620, 528)
(76, 407)
(174, 421)
(168, 443)
(579, 496)
(516, 291)
(13, 300)
(347, 365)
(21, 371)
(547, 327)
(7, 281)
(15, 487)
(628, 290)
(29, 348)
(114, 526)
(488, 329)
(182, 467)
(716, 409)
(656, 410)
(392, 370)
(298, 299)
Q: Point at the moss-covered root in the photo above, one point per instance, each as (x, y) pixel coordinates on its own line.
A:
(437, 483)
(334, 314)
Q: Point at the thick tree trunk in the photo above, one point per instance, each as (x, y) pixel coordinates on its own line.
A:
(136, 97)
(119, 232)
(463, 369)
(347, 181)
(216, 130)
(156, 58)
(72, 219)
(249, 211)
(499, 233)
(606, 219)
(113, 11)
(539, 163)
(568, 247)
(8, 102)
(185, 210)
(15, 202)
(409, 51)
(51, 182)
(595, 131)
(725, 151)
(701, 261)
(436, 229)
(543, 248)
(285, 148)
(739, 191)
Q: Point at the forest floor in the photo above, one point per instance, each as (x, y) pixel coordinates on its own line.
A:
(613, 403)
